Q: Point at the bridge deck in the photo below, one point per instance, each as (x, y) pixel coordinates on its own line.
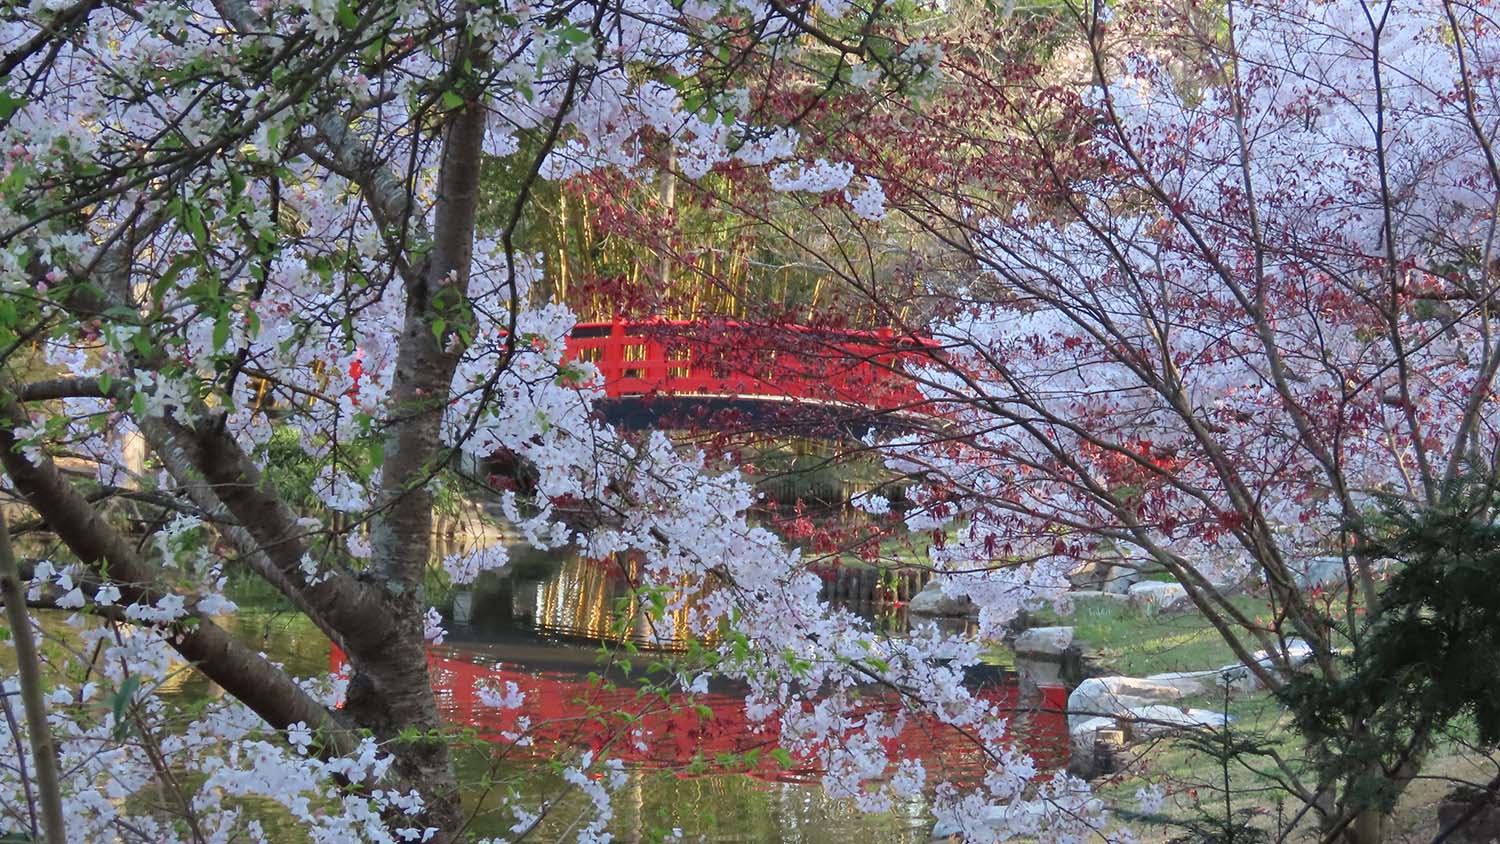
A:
(735, 362)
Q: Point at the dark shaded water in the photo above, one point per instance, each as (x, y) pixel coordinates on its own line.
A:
(572, 600)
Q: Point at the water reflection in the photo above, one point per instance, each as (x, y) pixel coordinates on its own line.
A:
(707, 732)
(692, 760)
(709, 808)
(664, 791)
(548, 622)
(540, 624)
(602, 600)
(567, 598)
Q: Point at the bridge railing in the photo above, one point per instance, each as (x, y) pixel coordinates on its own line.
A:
(786, 362)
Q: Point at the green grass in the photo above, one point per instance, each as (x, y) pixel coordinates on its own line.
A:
(1136, 643)
(1194, 780)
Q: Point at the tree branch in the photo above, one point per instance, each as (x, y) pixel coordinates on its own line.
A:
(267, 690)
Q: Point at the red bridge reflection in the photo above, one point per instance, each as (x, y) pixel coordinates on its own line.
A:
(705, 733)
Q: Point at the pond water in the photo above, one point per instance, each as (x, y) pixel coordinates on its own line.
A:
(551, 627)
(661, 794)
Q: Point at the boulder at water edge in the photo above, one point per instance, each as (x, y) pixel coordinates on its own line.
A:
(932, 601)
(1143, 722)
(1163, 597)
(1043, 642)
(1113, 696)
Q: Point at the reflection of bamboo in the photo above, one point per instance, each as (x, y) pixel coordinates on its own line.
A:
(851, 585)
(583, 599)
(562, 247)
(462, 532)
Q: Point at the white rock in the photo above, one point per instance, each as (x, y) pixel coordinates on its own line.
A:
(932, 601)
(1079, 595)
(1139, 687)
(1088, 726)
(1164, 597)
(1189, 682)
(1228, 587)
(1109, 696)
(1238, 678)
(1318, 571)
(1044, 641)
(1107, 706)
(1298, 654)
(1120, 579)
(1087, 575)
(1148, 721)
(1028, 814)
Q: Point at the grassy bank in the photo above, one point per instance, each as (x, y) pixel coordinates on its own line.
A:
(1129, 641)
(1190, 772)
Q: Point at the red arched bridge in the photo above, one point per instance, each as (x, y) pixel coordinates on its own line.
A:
(726, 375)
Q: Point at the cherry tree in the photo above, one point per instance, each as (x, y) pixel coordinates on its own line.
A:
(224, 220)
(1231, 287)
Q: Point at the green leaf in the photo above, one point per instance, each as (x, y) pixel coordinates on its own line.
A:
(158, 291)
(9, 103)
(16, 181)
(192, 220)
(221, 333)
(452, 100)
(120, 702)
(782, 757)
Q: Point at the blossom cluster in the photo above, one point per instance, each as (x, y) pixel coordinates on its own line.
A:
(242, 186)
(1253, 312)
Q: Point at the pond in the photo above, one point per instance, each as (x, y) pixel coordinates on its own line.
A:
(550, 626)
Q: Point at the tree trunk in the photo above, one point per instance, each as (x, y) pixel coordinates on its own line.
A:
(1368, 827)
(28, 667)
(390, 690)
